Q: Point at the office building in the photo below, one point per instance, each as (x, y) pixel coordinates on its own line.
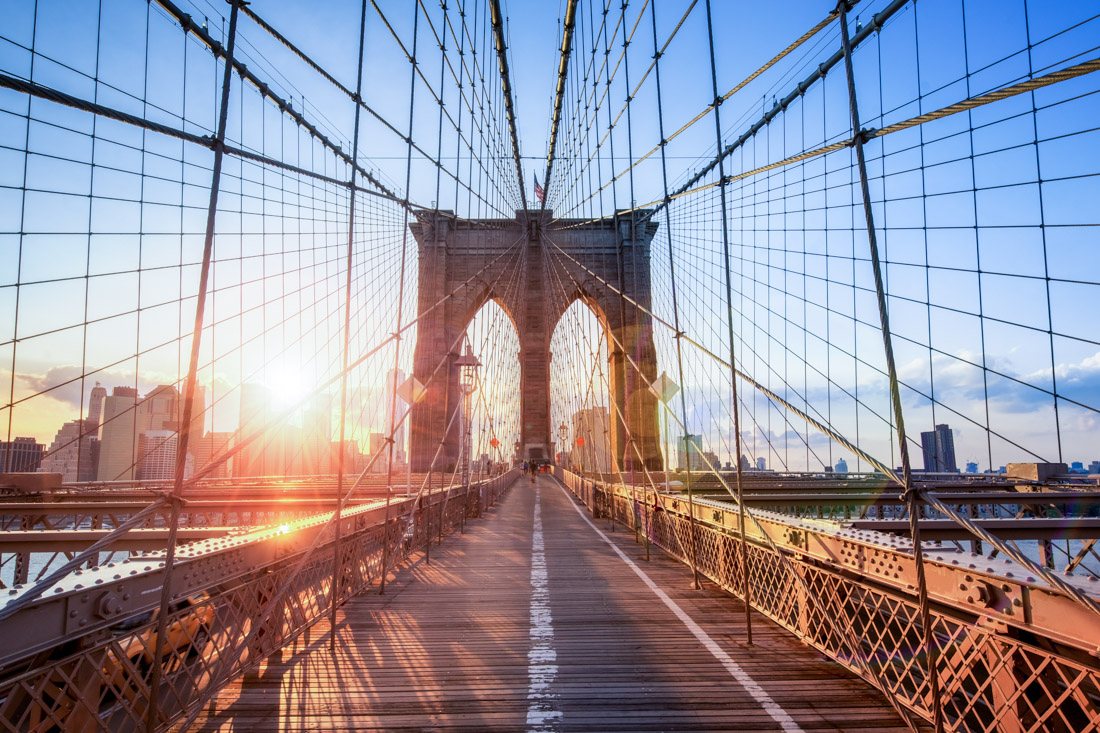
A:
(841, 466)
(22, 455)
(938, 447)
(399, 447)
(157, 449)
(264, 454)
(117, 436)
(210, 446)
(73, 452)
(688, 453)
(95, 404)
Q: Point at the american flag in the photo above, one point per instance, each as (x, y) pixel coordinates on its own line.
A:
(539, 193)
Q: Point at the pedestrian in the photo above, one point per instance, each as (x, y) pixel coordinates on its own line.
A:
(525, 466)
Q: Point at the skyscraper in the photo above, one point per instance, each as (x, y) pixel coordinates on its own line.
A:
(158, 449)
(73, 452)
(688, 453)
(95, 405)
(209, 446)
(265, 455)
(378, 445)
(22, 455)
(117, 436)
(399, 410)
(938, 447)
(316, 436)
(841, 466)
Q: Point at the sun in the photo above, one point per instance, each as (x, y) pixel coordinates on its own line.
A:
(287, 384)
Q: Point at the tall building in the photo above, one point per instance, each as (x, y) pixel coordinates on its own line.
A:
(938, 447)
(841, 466)
(157, 449)
(95, 404)
(592, 425)
(1094, 467)
(377, 444)
(162, 410)
(354, 460)
(761, 464)
(316, 437)
(399, 410)
(127, 418)
(22, 455)
(264, 455)
(117, 436)
(210, 446)
(73, 452)
(688, 452)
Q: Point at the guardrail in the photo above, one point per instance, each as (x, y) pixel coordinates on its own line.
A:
(82, 656)
(1014, 654)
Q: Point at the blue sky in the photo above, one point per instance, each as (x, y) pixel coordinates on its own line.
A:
(964, 212)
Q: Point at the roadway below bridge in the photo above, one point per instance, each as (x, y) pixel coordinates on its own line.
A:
(541, 618)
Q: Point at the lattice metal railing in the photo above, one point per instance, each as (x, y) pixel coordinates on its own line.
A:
(992, 676)
(101, 681)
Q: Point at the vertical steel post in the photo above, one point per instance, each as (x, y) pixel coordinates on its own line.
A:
(176, 497)
(912, 494)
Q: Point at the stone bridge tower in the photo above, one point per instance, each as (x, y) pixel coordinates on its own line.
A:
(540, 266)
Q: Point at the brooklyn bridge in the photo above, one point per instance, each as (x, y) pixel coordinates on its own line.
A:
(486, 365)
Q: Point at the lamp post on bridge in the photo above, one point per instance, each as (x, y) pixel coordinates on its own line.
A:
(467, 383)
(563, 433)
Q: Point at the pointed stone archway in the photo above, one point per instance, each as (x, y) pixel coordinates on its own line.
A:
(533, 271)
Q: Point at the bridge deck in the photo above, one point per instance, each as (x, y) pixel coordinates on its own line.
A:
(482, 639)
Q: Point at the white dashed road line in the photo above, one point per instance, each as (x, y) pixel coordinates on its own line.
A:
(542, 667)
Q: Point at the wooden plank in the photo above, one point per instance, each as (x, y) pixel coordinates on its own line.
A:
(447, 647)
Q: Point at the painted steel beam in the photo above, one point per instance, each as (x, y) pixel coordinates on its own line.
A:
(75, 540)
(1062, 528)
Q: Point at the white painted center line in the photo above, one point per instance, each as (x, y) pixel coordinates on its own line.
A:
(542, 668)
(771, 707)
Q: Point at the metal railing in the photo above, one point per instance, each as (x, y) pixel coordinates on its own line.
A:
(235, 602)
(1006, 662)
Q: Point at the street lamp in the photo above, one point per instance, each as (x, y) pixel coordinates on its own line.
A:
(563, 433)
(467, 382)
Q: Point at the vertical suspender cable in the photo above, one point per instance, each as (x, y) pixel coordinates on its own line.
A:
(337, 564)
(912, 494)
(400, 301)
(675, 303)
(744, 554)
(192, 374)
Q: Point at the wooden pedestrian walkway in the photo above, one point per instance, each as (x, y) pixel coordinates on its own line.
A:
(532, 620)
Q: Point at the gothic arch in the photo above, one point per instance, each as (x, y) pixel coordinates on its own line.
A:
(452, 253)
